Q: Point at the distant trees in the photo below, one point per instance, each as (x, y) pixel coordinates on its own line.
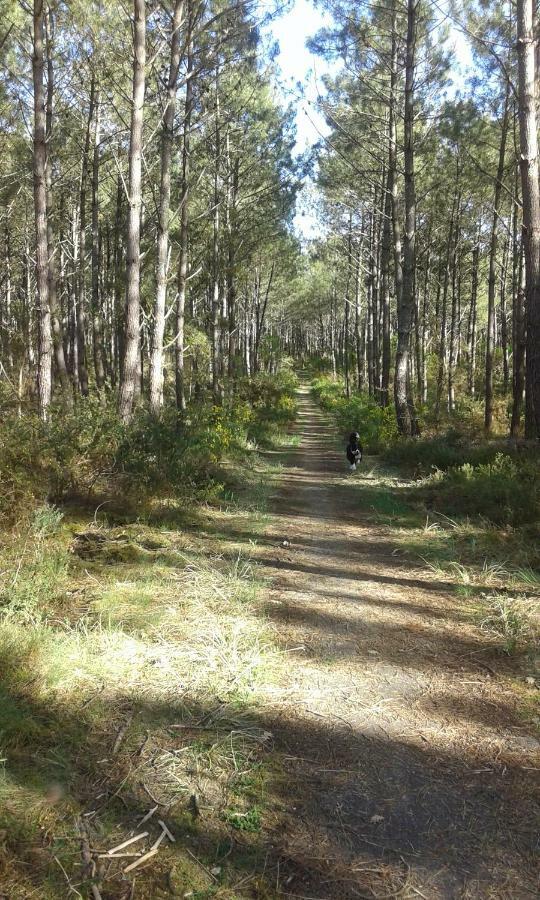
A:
(150, 257)
(163, 186)
(437, 208)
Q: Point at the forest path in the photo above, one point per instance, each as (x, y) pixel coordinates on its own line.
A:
(405, 769)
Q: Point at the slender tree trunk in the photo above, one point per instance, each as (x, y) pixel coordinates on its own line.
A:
(131, 362)
(184, 233)
(81, 284)
(526, 30)
(504, 317)
(97, 310)
(518, 381)
(473, 317)
(357, 332)
(56, 323)
(454, 318)
(385, 284)
(167, 135)
(492, 278)
(392, 162)
(231, 271)
(216, 324)
(44, 380)
(404, 412)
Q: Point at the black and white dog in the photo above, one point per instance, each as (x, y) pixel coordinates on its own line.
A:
(354, 451)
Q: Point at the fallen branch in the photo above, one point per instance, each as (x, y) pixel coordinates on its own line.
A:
(88, 862)
(140, 861)
(138, 837)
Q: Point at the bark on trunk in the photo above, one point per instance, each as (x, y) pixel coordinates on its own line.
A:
(156, 357)
(97, 311)
(131, 361)
(492, 278)
(404, 413)
(56, 322)
(184, 232)
(44, 381)
(526, 22)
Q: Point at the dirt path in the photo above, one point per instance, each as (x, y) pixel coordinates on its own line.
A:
(407, 770)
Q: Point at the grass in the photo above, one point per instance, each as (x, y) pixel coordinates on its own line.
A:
(129, 654)
(492, 569)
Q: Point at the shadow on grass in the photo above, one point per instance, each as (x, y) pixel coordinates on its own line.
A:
(379, 808)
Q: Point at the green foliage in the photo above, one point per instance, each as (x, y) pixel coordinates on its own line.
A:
(504, 491)
(449, 450)
(35, 568)
(375, 424)
(509, 618)
(271, 403)
(88, 453)
(249, 821)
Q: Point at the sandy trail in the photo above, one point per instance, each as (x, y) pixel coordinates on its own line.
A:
(407, 770)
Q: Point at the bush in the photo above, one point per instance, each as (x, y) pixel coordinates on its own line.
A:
(88, 452)
(504, 491)
(376, 425)
(452, 449)
(271, 401)
(35, 568)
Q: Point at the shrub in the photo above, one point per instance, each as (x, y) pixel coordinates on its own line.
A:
(504, 491)
(34, 568)
(271, 401)
(88, 452)
(375, 424)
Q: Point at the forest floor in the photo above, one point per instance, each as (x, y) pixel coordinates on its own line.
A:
(310, 709)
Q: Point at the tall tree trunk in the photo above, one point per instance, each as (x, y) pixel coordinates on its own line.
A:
(184, 230)
(444, 316)
(97, 311)
(232, 228)
(518, 377)
(526, 30)
(492, 278)
(404, 412)
(40, 206)
(504, 317)
(385, 284)
(454, 318)
(473, 318)
(167, 134)
(216, 306)
(131, 362)
(56, 323)
(392, 161)
(81, 284)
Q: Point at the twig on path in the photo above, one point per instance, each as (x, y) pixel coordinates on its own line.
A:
(167, 832)
(121, 734)
(72, 890)
(148, 816)
(199, 863)
(154, 799)
(133, 840)
(140, 861)
(89, 863)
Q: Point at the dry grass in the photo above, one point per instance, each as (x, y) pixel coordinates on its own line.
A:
(126, 671)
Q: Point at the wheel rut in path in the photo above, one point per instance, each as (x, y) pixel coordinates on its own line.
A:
(405, 769)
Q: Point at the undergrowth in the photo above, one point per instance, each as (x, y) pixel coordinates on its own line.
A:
(359, 412)
(131, 644)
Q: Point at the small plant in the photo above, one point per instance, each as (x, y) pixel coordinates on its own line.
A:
(507, 618)
(249, 821)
